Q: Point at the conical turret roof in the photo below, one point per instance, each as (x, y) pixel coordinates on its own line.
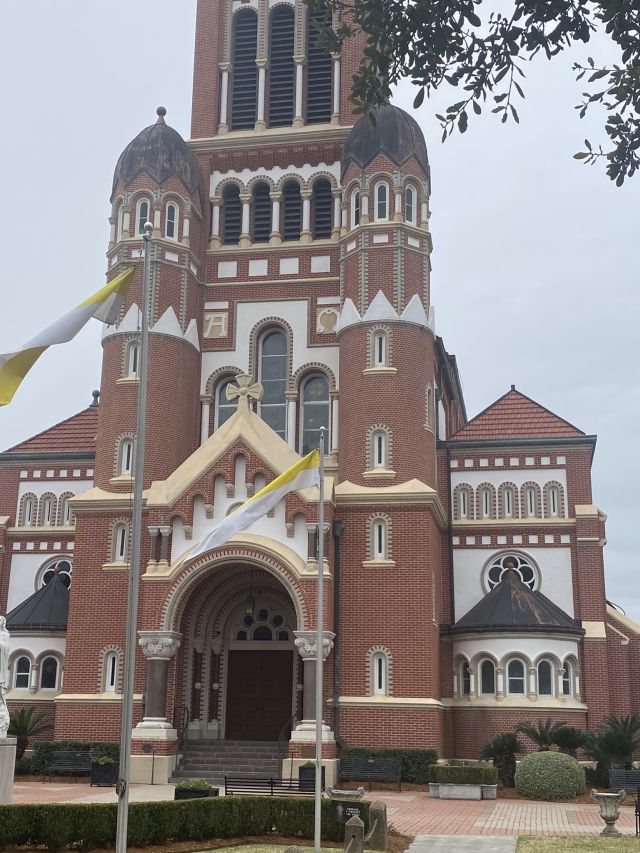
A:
(45, 610)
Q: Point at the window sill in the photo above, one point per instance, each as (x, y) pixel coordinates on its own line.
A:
(122, 480)
(379, 371)
(378, 564)
(116, 566)
(128, 380)
(379, 474)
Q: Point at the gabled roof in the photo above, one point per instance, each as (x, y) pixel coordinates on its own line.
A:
(45, 610)
(516, 416)
(512, 607)
(76, 434)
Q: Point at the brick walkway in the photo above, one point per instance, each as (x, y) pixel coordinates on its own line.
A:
(411, 812)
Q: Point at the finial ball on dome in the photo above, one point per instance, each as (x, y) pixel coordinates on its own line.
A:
(161, 113)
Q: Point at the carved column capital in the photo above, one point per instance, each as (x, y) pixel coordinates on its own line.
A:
(306, 643)
(159, 644)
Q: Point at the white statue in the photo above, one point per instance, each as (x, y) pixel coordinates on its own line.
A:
(4, 676)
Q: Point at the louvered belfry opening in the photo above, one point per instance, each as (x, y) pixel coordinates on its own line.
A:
(245, 71)
(292, 211)
(319, 72)
(231, 214)
(281, 67)
(261, 213)
(322, 205)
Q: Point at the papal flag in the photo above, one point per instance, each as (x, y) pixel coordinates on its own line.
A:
(302, 475)
(103, 305)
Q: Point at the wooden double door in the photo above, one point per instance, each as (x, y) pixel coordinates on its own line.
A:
(259, 694)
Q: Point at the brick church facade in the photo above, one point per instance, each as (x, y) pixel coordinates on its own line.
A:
(464, 562)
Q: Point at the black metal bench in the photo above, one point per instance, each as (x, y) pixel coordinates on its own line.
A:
(68, 762)
(270, 787)
(361, 768)
(627, 780)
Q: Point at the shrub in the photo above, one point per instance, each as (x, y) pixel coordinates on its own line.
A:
(194, 785)
(25, 723)
(415, 762)
(502, 750)
(461, 775)
(23, 767)
(93, 825)
(542, 733)
(44, 750)
(550, 776)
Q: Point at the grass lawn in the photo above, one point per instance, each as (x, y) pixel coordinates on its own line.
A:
(577, 845)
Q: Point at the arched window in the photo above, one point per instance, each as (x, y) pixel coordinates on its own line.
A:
(410, 205)
(430, 407)
(315, 412)
(133, 358)
(465, 679)
(291, 211)
(515, 677)
(319, 70)
(530, 502)
(273, 376)
(110, 672)
(65, 513)
(142, 215)
(381, 202)
(487, 677)
(545, 678)
(485, 502)
(554, 500)
(261, 226)
(508, 508)
(171, 222)
(380, 349)
(62, 568)
(281, 66)
(120, 542)
(355, 208)
(245, 70)
(379, 539)
(322, 209)
(464, 504)
(125, 457)
(22, 673)
(379, 670)
(568, 679)
(49, 674)
(379, 449)
(231, 214)
(119, 221)
(48, 511)
(28, 511)
(224, 407)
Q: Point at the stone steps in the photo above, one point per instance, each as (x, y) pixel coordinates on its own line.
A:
(213, 760)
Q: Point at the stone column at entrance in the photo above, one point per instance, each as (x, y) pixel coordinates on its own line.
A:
(306, 643)
(158, 648)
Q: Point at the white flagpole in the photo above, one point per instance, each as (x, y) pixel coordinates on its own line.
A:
(126, 723)
(319, 656)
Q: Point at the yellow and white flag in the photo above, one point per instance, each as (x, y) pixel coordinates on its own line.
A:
(302, 475)
(103, 305)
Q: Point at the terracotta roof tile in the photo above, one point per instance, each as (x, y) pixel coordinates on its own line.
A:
(75, 434)
(515, 416)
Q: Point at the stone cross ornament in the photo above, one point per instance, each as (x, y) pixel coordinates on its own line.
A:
(4, 676)
(245, 390)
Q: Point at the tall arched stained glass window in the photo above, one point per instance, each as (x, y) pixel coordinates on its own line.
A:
(224, 407)
(273, 376)
(315, 412)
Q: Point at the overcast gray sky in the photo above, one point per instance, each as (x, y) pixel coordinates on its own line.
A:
(536, 257)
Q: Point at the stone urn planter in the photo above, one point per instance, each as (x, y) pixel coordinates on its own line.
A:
(609, 810)
(452, 791)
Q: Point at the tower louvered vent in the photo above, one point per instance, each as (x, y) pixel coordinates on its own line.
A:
(319, 73)
(322, 204)
(292, 211)
(261, 213)
(281, 67)
(245, 72)
(231, 214)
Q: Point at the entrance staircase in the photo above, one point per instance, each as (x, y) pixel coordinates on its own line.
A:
(214, 759)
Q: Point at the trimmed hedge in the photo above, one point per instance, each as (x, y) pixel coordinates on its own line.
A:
(44, 750)
(23, 767)
(447, 774)
(550, 776)
(415, 762)
(90, 825)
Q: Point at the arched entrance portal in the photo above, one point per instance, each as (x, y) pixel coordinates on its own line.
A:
(238, 660)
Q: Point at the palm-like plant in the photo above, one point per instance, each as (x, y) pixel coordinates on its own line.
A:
(569, 739)
(542, 733)
(25, 723)
(502, 750)
(596, 747)
(621, 738)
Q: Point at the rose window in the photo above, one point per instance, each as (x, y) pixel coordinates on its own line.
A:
(61, 567)
(511, 562)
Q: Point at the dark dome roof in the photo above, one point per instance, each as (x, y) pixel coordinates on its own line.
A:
(45, 610)
(395, 133)
(160, 151)
(511, 607)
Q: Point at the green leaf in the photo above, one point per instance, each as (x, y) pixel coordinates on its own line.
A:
(581, 155)
(462, 122)
(419, 98)
(477, 108)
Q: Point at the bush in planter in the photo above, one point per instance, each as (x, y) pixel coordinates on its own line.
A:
(415, 762)
(104, 771)
(446, 774)
(550, 776)
(502, 750)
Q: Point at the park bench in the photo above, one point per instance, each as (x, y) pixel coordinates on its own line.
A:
(362, 768)
(69, 762)
(627, 780)
(270, 787)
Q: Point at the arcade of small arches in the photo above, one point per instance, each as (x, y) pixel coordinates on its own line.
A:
(33, 673)
(508, 501)
(516, 675)
(170, 216)
(48, 510)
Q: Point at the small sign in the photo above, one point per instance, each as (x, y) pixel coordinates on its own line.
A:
(342, 810)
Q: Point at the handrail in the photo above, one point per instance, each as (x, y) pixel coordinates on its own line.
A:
(281, 741)
(181, 722)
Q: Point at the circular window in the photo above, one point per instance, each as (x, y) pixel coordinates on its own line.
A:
(60, 567)
(519, 563)
(277, 620)
(248, 620)
(263, 614)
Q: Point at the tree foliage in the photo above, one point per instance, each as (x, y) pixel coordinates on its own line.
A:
(431, 42)
(502, 750)
(542, 733)
(26, 723)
